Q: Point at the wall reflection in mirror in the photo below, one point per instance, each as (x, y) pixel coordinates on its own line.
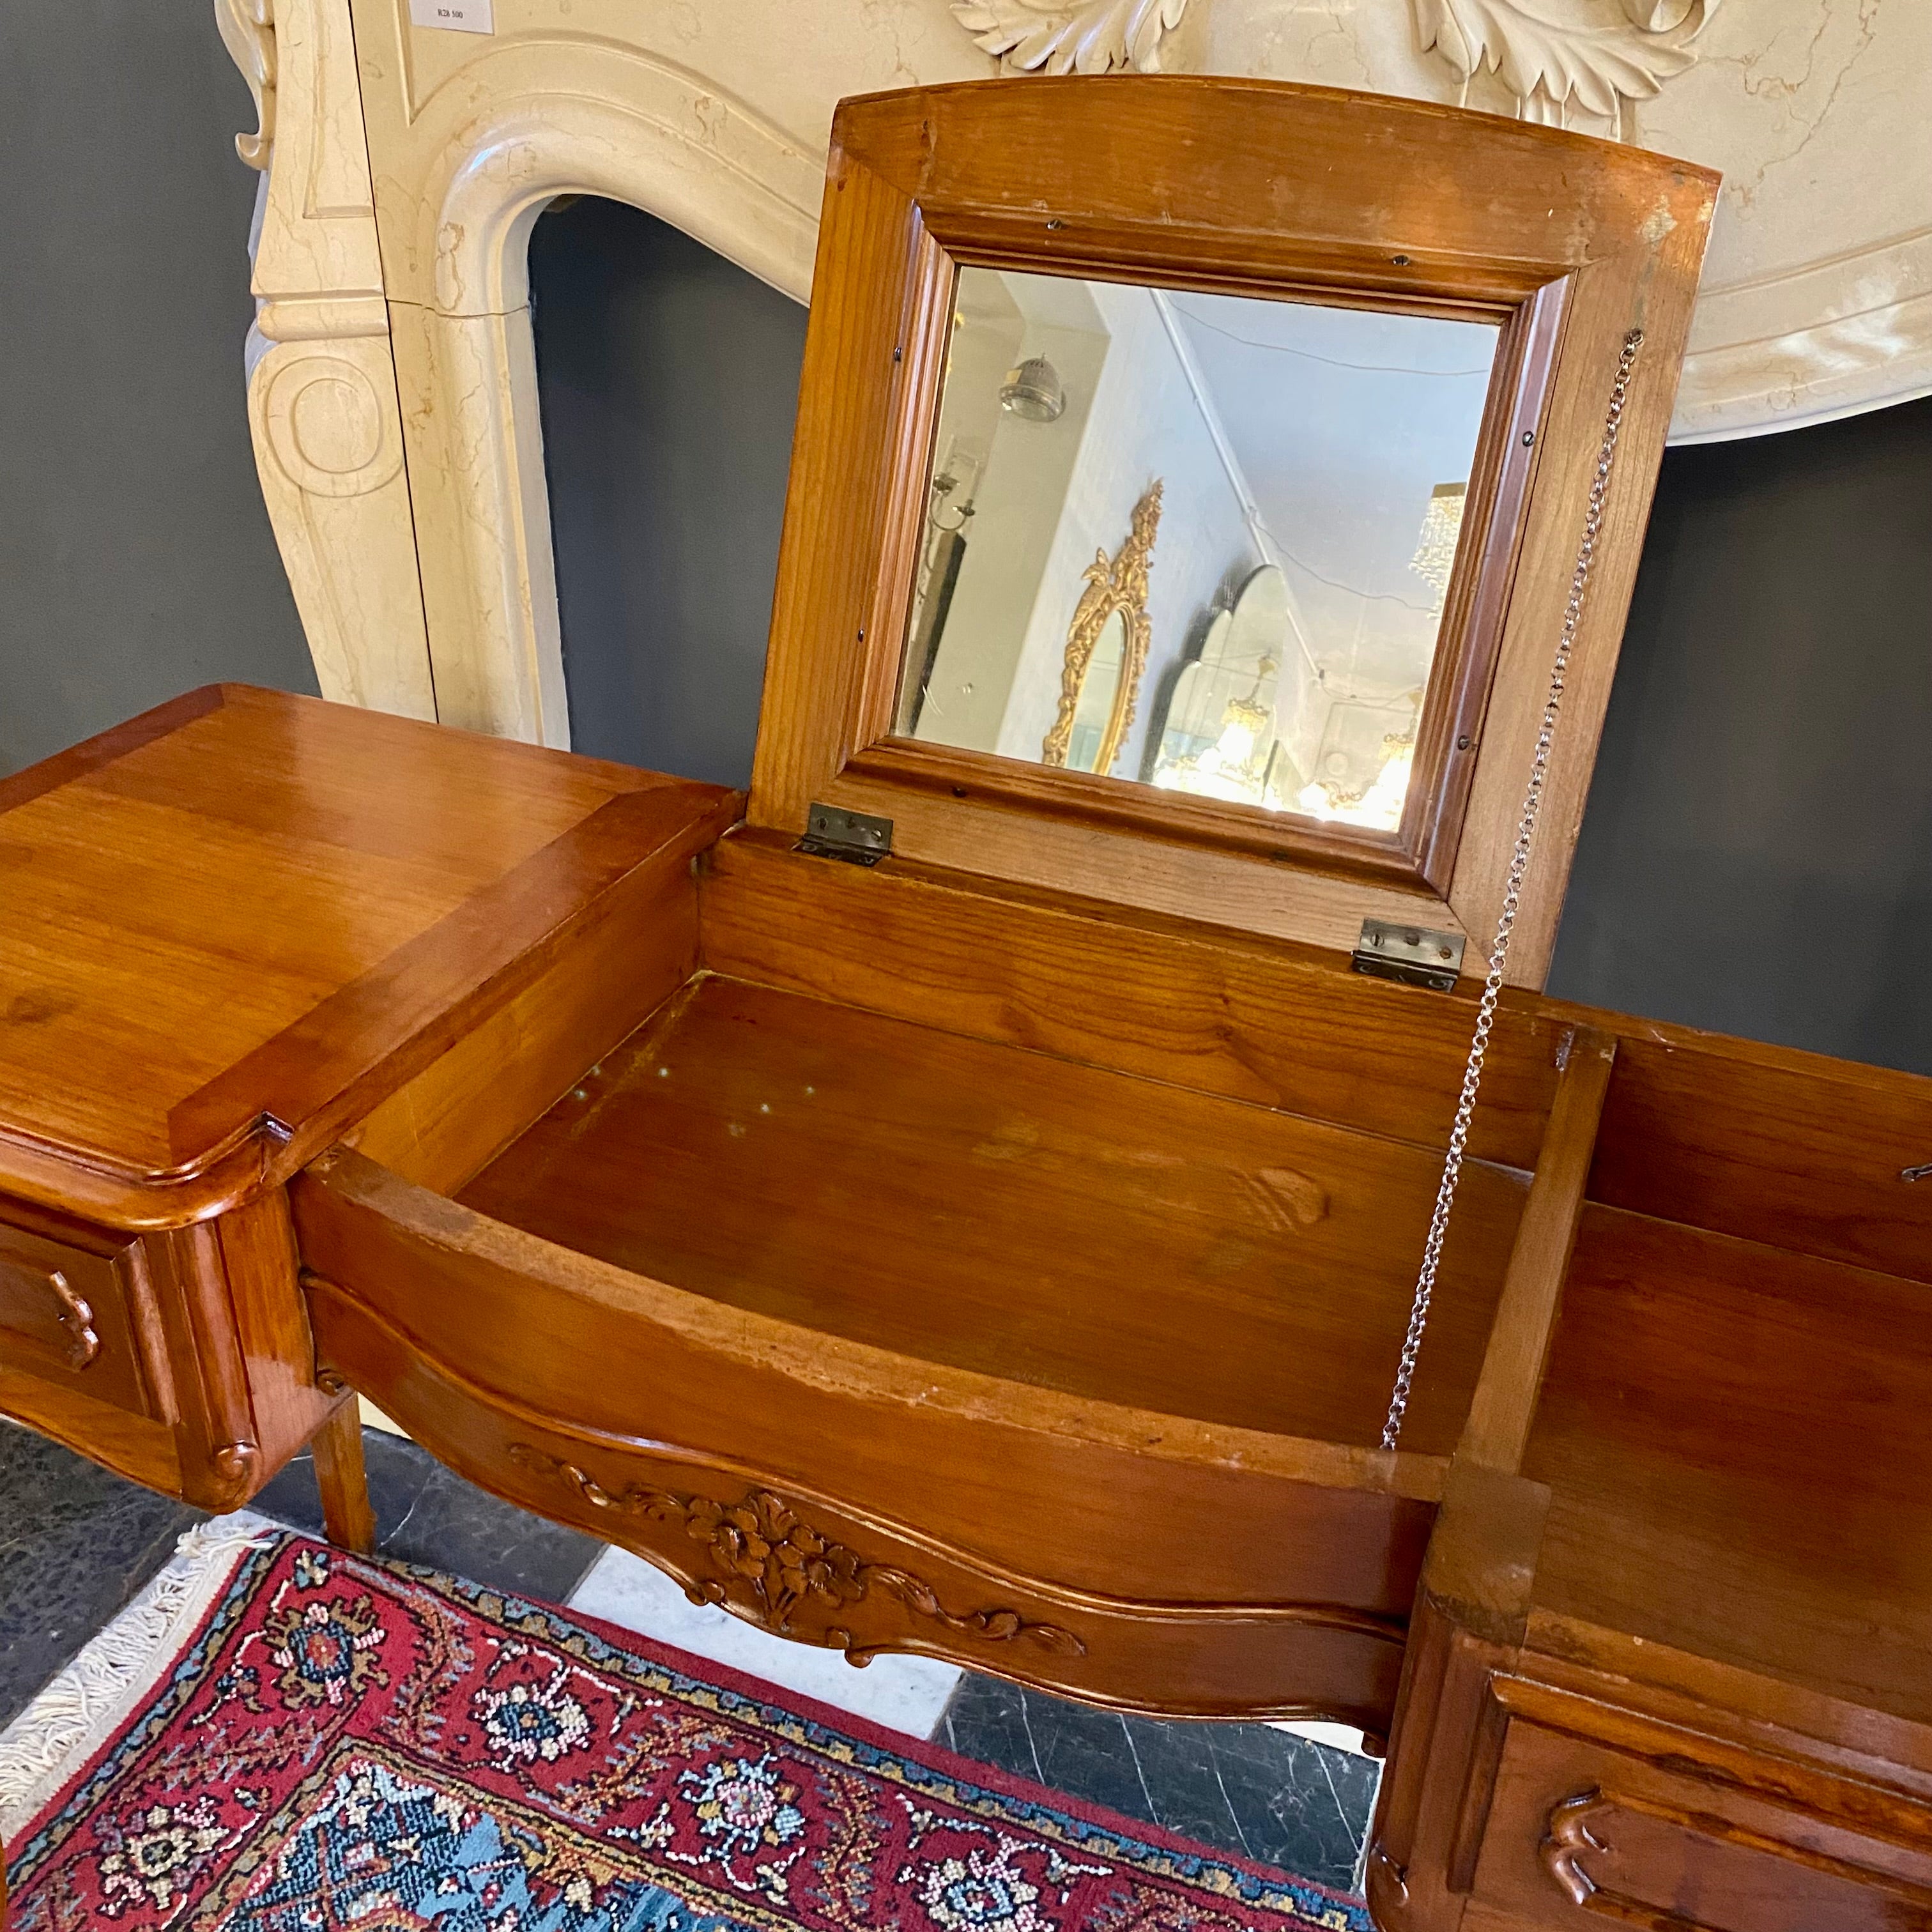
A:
(1202, 542)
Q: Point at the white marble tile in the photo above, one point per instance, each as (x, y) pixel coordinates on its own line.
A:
(905, 1693)
(1341, 1737)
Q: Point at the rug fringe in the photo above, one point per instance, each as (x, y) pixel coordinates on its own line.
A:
(51, 1740)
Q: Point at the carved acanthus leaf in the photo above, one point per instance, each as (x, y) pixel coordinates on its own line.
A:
(1666, 16)
(772, 1564)
(1547, 63)
(1031, 37)
(248, 32)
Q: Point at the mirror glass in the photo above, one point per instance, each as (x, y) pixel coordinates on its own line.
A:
(1094, 708)
(1201, 542)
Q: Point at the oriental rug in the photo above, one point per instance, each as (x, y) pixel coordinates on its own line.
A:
(278, 1737)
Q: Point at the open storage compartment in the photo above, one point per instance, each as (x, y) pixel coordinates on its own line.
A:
(1057, 1342)
(974, 1206)
(893, 1335)
(1061, 1347)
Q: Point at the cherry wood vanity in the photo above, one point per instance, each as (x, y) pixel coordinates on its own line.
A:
(1002, 1247)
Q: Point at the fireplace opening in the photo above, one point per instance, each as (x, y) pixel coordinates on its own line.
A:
(668, 378)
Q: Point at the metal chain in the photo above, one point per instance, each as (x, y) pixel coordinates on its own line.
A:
(1519, 866)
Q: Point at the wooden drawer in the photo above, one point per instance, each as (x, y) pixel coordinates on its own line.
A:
(66, 1311)
(1581, 1831)
(841, 1494)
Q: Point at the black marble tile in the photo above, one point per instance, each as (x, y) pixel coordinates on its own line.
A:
(77, 1544)
(454, 1526)
(1184, 1782)
(1064, 1746)
(1090, 1753)
(1298, 1805)
(428, 1514)
(985, 1719)
(1275, 1797)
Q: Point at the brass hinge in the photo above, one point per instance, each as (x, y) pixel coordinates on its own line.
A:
(1415, 955)
(832, 832)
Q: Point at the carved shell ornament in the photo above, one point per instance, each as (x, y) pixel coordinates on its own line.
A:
(1594, 54)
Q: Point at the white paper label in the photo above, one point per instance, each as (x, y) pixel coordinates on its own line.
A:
(462, 17)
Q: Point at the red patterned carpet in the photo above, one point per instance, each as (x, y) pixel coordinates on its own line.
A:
(336, 1743)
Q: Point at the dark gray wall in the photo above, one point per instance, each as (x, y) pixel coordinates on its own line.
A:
(669, 382)
(135, 556)
(1757, 853)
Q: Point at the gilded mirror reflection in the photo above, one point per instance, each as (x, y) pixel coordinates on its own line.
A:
(1096, 701)
(1201, 542)
(1106, 652)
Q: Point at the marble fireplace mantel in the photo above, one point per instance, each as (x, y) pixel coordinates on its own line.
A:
(391, 375)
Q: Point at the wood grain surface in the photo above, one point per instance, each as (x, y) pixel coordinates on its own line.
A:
(249, 907)
(1503, 1405)
(1283, 1024)
(1736, 1440)
(959, 1202)
(1766, 1142)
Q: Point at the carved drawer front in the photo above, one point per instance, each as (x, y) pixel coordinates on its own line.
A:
(65, 1317)
(1579, 1832)
(850, 1495)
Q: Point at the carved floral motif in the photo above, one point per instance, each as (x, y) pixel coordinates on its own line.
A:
(1030, 37)
(1547, 60)
(1548, 55)
(769, 1553)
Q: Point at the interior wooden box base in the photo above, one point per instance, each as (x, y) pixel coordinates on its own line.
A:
(928, 1342)
(1058, 1226)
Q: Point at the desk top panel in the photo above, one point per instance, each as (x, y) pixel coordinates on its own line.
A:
(224, 914)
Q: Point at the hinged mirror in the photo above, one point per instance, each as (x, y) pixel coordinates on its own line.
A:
(1188, 478)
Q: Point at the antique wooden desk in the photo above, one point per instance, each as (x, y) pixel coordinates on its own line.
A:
(1003, 1249)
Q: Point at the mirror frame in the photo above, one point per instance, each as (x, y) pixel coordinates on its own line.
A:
(1258, 188)
(1116, 586)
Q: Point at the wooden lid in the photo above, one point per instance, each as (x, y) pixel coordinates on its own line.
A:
(239, 918)
(1220, 187)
